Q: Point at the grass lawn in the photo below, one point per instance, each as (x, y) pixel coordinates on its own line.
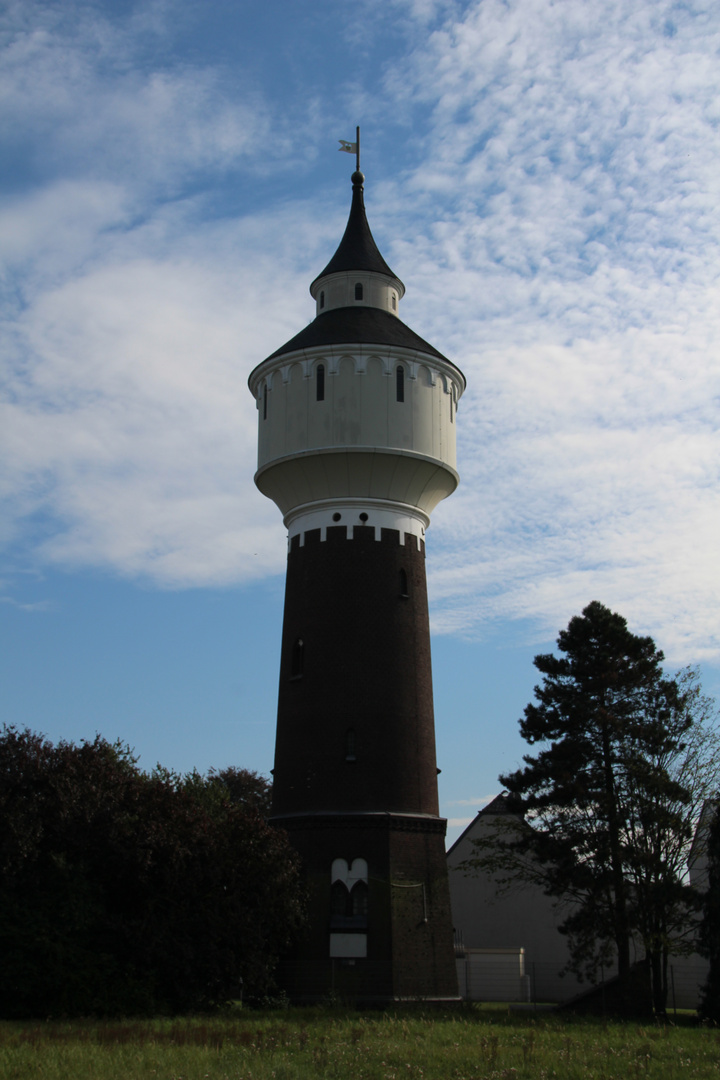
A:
(472, 1043)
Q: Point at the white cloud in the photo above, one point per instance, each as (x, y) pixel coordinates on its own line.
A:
(480, 800)
(40, 605)
(127, 416)
(559, 240)
(76, 82)
(131, 321)
(458, 822)
(569, 264)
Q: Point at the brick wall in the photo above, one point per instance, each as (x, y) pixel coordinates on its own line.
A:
(355, 773)
(355, 727)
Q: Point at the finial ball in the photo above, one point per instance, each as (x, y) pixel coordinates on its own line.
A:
(358, 178)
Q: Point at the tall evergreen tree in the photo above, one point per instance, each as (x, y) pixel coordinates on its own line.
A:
(610, 798)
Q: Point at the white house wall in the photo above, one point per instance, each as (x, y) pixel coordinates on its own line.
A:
(486, 917)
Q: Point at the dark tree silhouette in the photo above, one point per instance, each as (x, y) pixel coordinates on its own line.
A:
(611, 799)
(244, 787)
(122, 892)
(710, 933)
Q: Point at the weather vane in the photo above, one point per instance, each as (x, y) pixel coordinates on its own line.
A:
(352, 147)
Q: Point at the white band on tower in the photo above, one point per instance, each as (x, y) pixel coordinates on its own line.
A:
(357, 512)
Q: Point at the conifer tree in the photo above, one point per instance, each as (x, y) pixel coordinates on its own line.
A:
(611, 799)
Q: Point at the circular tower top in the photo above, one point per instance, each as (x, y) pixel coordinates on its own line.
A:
(357, 412)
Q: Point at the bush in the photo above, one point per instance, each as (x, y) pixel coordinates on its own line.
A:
(123, 892)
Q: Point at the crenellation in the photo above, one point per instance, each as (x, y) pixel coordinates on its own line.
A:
(388, 357)
(379, 534)
(335, 534)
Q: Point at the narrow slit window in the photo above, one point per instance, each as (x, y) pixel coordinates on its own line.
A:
(350, 745)
(322, 300)
(358, 291)
(394, 302)
(320, 382)
(298, 659)
(452, 406)
(404, 584)
(400, 384)
(265, 402)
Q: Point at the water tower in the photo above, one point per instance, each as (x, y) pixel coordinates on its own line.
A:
(357, 421)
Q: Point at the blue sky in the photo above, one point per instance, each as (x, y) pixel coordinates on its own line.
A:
(544, 177)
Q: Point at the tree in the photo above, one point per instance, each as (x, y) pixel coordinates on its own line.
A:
(663, 820)
(710, 932)
(611, 799)
(122, 892)
(241, 787)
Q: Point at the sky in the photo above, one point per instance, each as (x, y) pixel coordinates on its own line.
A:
(545, 179)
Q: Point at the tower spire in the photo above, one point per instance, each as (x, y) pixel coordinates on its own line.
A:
(357, 250)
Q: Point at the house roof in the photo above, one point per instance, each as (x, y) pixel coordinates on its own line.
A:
(503, 805)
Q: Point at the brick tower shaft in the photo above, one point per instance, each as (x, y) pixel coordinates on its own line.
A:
(356, 670)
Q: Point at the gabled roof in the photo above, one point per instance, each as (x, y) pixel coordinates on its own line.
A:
(357, 249)
(503, 805)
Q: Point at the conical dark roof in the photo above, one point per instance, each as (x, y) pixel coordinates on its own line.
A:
(357, 326)
(361, 324)
(357, 249)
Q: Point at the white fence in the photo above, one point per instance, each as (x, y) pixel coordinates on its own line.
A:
(507, 975)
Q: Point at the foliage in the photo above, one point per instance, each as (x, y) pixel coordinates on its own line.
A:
(475, 1043)
(611, 800)
(710, 935)
(245, 788)
(241, 787)
(122, 892)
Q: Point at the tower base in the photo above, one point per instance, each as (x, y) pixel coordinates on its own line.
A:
(401, 949)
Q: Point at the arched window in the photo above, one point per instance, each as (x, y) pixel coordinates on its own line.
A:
(322, 300)
(394, 302)
(452, 406)
(358, 291)
(349, 895)
(339, 899)
(320, 382)
(400, 383)
(403, 585)
(265, 402)
(298, 659)
(359, 899)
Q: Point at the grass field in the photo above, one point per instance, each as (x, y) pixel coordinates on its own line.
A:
(473, 1043)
